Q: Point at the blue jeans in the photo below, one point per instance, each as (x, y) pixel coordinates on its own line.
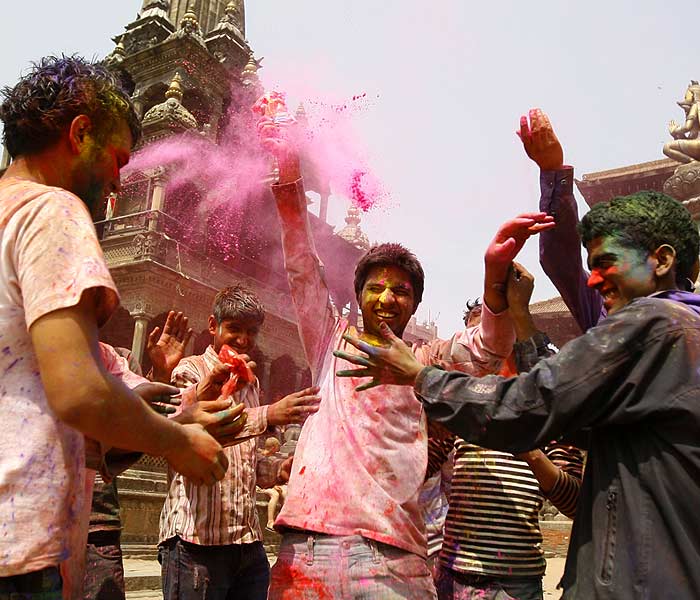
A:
(196, 572)
(457, 586)
(38, 585)
(312, 566)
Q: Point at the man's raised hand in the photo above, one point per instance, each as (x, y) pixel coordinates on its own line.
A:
(167, 349)
(274, 139)
(512, 235)
(521, 284)
(391, 364)
(540, 141)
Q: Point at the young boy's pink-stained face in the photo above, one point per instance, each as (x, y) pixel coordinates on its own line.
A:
(240, 334)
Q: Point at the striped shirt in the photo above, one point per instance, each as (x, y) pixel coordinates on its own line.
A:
(224, 513)
(492, 526)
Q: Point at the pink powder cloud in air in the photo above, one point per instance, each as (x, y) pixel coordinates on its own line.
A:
(338, 152)
(234, 169)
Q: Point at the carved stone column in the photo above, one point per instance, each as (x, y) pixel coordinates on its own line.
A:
(137, 100)
(323, 207)
(138, 343)
(157, 199)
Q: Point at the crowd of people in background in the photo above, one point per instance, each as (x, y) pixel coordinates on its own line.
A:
(419, 472)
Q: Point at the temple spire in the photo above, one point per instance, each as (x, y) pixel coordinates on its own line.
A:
(210, 13)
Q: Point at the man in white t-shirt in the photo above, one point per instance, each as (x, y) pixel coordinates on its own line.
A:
(69, 128)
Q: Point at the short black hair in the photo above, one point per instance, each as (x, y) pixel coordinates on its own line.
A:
(645, 221)
(472, 305)
(239, 304)
(38, 109)
(391, 255)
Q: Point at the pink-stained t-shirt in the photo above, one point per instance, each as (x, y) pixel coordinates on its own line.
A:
(49, 255)
(361, 459)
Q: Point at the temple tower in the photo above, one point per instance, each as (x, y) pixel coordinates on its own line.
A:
(208, 12)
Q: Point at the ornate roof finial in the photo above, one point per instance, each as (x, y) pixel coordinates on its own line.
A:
(300, 113)
(189, 27)
(189, 20)
(117, 55)
(231, 9)
(175, 89)
(352, 233)
(250, 71)
(171, 115)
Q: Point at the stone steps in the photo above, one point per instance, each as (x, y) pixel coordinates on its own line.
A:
(140, 551)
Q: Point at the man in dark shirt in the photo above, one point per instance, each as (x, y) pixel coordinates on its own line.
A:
(631, 384)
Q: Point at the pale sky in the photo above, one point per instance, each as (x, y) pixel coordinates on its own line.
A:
(449, 80)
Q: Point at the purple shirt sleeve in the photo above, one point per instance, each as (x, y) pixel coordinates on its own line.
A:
(560, 248)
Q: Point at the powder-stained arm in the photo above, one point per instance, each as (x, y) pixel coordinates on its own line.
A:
(591, 382)
(560, 248)
(315, 314)
(478, 350)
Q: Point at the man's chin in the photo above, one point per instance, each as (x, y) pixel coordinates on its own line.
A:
(396, 327)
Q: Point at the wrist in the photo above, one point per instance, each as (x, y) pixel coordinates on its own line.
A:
(520, 313)
(496, 273)
(274, 417)
(550, 166)
(171, 437)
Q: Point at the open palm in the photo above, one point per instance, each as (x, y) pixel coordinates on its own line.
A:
(167, 349)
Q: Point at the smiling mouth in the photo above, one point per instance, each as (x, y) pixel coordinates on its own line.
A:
(385, 315)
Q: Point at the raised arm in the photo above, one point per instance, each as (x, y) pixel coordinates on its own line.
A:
(312, 301)
(591, 382)
(560, 248)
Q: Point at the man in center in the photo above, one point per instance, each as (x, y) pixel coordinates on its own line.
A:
(352, 526)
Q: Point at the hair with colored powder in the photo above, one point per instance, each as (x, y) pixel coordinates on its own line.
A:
(239, 304)
(645, 221)
(391, 255)
(37, 111)
(473, 306)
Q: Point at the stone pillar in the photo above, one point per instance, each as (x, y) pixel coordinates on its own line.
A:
(323, 208)
(137, 100)
(157, 200)
(138, 344)
(297, 380)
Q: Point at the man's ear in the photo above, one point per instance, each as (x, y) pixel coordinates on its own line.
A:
(213, 325)
(77, 134)
(665, 256)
